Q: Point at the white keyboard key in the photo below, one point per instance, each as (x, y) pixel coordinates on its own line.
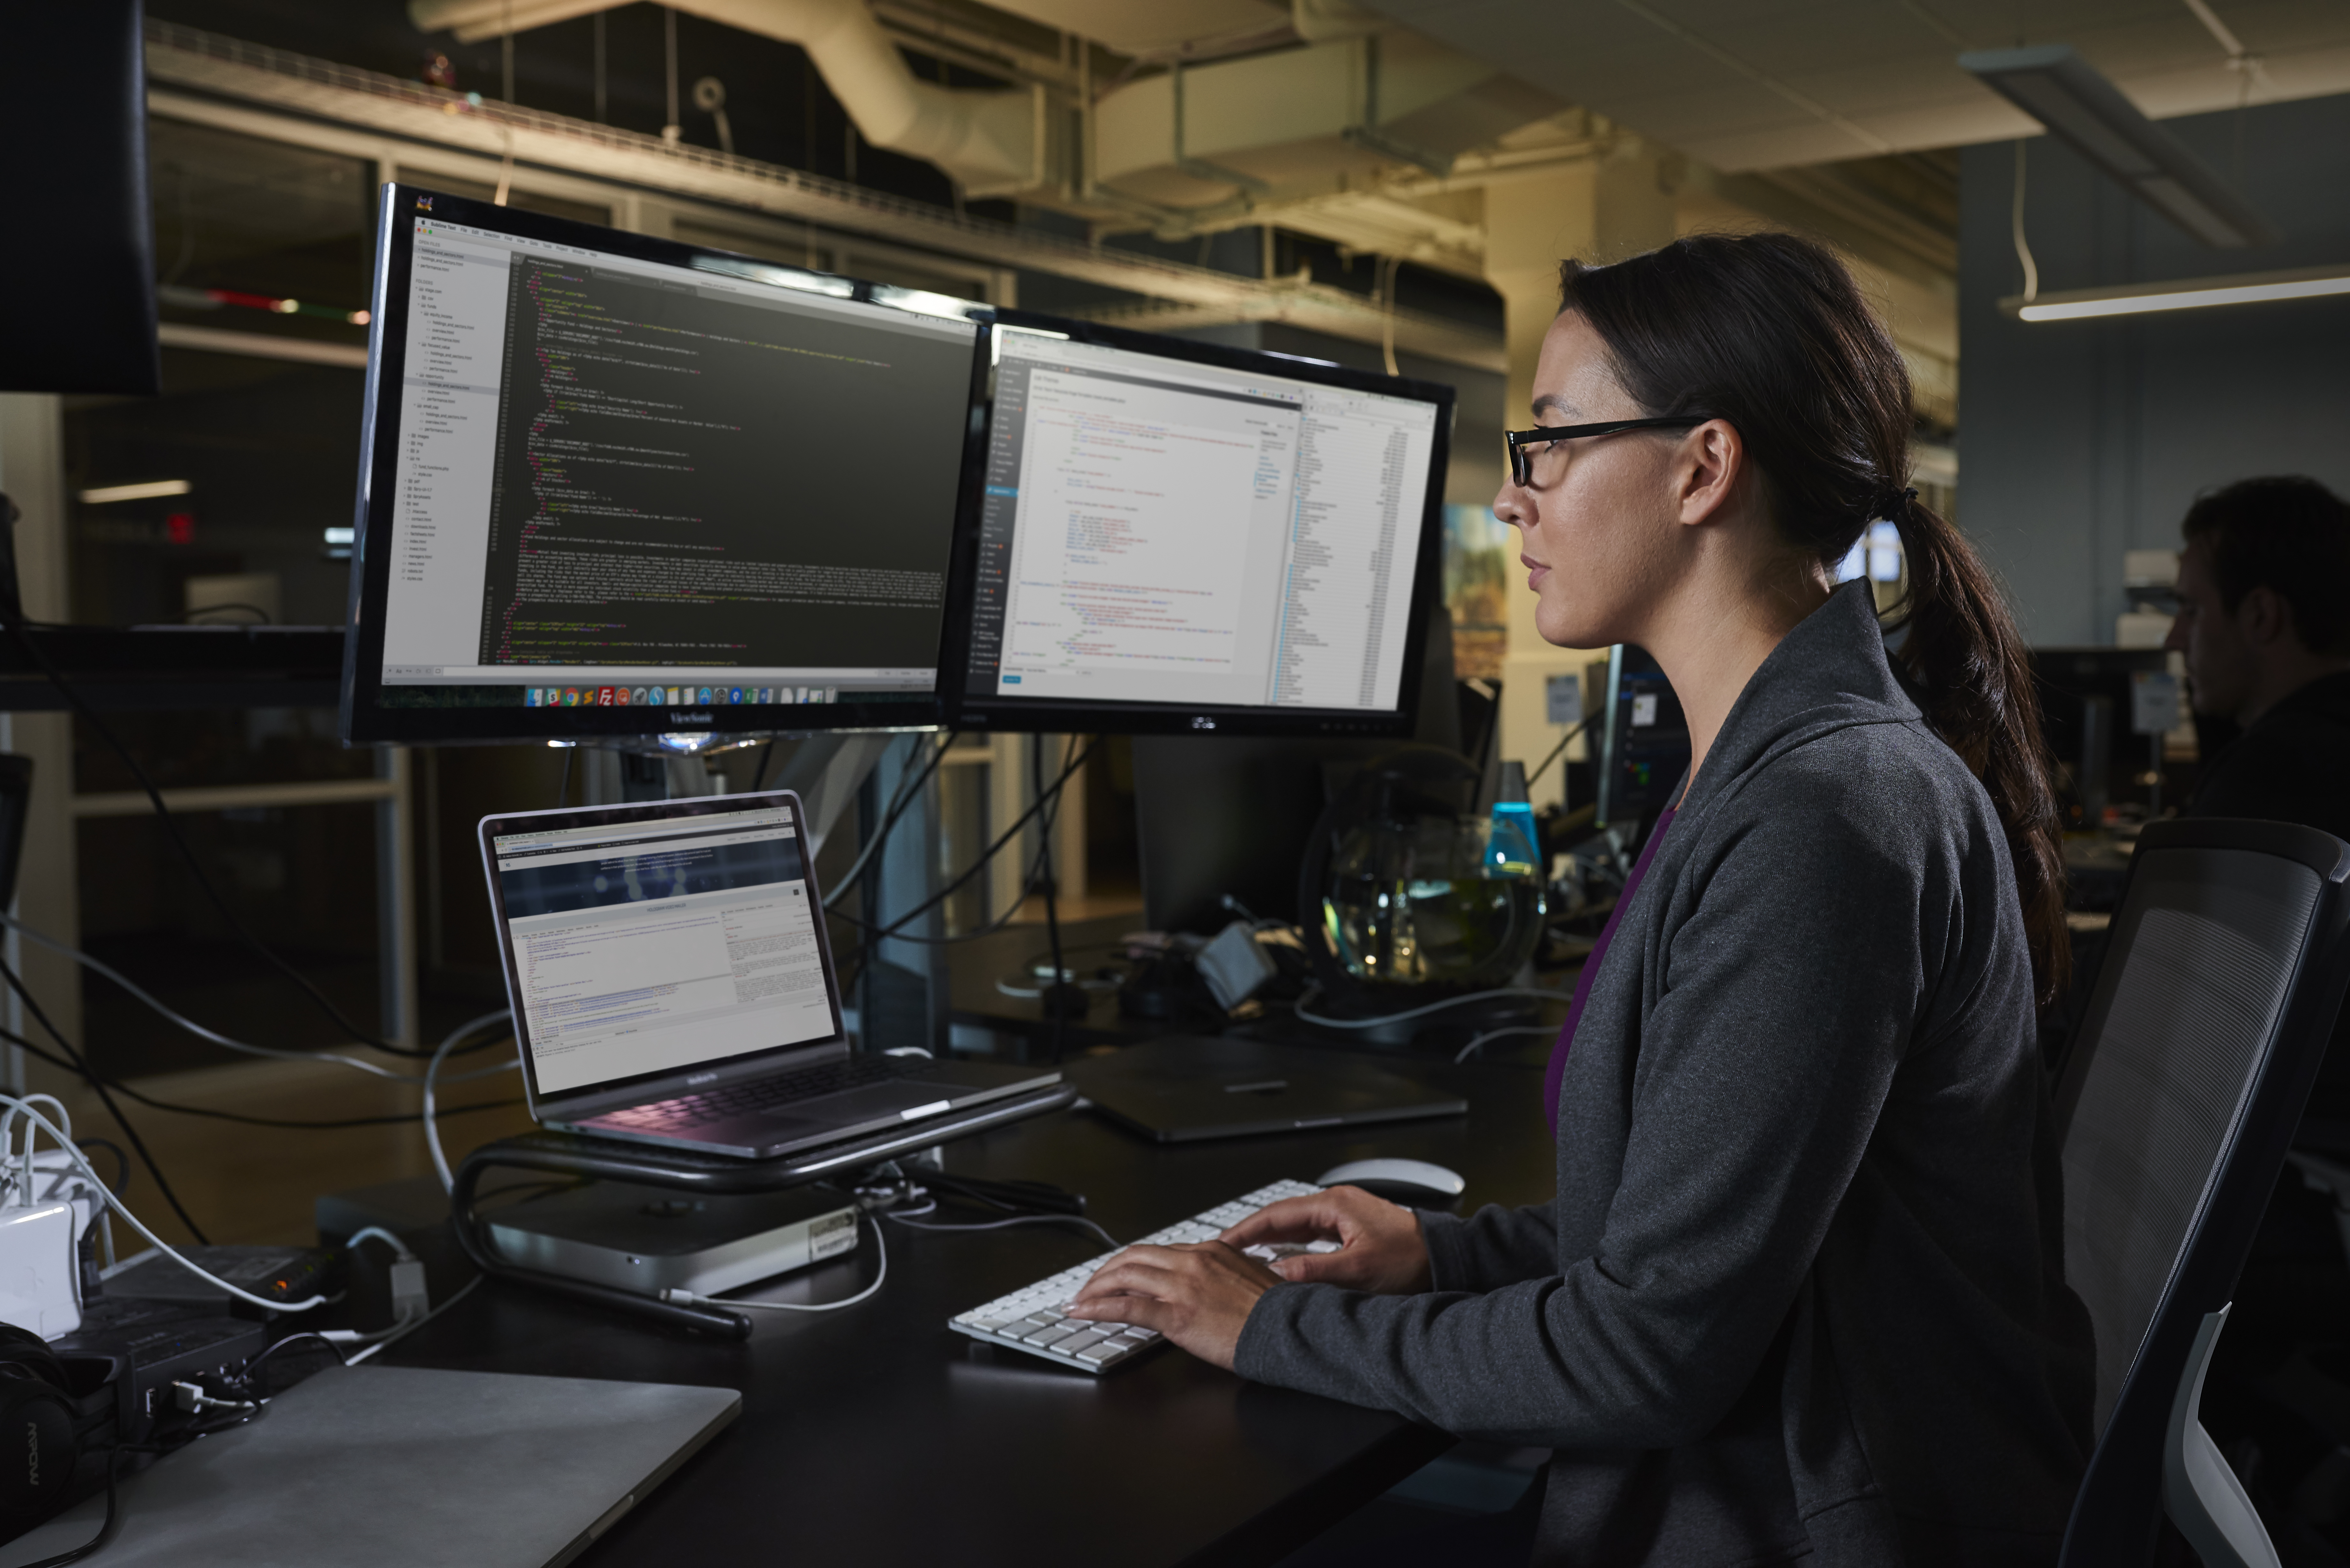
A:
(1033, 1317)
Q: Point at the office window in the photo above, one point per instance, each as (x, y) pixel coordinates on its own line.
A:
(234, 476)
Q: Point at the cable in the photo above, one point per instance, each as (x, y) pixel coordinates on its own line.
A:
(337, 1125)
(105, 1530)
(562, 789)
(121, 1160)
(2022, 245)
(904, 797)
(1422, 1011)
(432, 1131)
(294, 1339)
(759, 776)
(398, 1333)
(15, 626)
(1544, 766)
(1046, 800)
(146, 1157)
(47, 1126)
(1055, 1003)
(1113, 1242)
(880, 1251)
(1478, 1043)
(351, 1241)
(198, 1030)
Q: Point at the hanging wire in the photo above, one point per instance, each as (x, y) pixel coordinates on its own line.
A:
(2022, 246)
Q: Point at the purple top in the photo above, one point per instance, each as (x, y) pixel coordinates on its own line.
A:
(1557, 1069)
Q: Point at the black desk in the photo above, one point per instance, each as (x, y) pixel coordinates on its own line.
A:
(1017, 1025)
(877, 1435)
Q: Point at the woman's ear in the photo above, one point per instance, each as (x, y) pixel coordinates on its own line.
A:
(1707, 471)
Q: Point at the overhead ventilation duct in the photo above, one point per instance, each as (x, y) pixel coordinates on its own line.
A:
(1311, 135)
(2063, 92)
(990, 142)
(1153, 28)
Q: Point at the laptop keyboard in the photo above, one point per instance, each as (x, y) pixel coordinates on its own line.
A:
(1031, 1319)
(755, 1095)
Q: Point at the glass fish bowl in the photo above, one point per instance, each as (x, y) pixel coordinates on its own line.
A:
(1439, 900)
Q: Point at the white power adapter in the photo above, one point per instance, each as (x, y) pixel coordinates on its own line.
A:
(46, 1205)
(40, 1267)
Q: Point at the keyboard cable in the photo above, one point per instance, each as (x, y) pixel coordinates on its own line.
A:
(1112, 1241)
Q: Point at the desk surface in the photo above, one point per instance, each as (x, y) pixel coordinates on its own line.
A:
(878, 1435)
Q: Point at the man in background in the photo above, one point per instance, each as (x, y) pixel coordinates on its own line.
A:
(2264, 622)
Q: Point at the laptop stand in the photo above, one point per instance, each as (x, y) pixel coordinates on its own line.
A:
(571, 1154)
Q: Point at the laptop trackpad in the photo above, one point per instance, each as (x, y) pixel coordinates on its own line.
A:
(872, 1104)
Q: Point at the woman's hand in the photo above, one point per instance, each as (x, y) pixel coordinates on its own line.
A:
(1380, 1247)
(1199, 1297)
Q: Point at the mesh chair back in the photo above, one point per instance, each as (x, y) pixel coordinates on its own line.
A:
(2206, 1029)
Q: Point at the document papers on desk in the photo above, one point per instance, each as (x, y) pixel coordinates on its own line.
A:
(388, 1466)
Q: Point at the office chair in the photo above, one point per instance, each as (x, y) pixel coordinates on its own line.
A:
(2210, 1019)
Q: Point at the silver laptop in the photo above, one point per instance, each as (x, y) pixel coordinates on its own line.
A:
(673, 983)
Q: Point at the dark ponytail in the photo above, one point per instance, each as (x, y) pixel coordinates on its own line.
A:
(1769, 333)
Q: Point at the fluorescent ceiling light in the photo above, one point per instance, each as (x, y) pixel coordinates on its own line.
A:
(2063, 92)
(2181, 294)
(107, 493)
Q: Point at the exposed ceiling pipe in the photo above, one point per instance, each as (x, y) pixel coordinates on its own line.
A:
(988, 142)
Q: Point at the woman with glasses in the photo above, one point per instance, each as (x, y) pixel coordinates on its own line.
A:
(1800, 1292)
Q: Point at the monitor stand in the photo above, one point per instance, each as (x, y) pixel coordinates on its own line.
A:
(900, 989)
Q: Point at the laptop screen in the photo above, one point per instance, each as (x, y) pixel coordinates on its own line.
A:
(658, 944)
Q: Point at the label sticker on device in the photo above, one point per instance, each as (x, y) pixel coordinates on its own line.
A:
(831, 1236)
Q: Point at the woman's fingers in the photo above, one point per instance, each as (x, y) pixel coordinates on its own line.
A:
(1350, 1269)
(1317, 1216)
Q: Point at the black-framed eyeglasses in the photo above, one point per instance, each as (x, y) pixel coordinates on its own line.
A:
(1522, 460)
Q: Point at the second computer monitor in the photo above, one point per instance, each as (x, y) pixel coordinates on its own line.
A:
(1169, 535)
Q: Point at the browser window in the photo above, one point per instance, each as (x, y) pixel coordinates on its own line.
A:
(653, 946)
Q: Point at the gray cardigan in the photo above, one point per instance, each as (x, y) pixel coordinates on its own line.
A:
(1801, 1290)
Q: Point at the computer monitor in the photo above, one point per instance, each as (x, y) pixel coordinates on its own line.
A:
(613, 486)
(77, 288)
(1646, 740)
(2088, 704)
(1165, 536)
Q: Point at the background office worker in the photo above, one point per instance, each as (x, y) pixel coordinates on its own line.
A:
(2265, 623)
(1800, 1291)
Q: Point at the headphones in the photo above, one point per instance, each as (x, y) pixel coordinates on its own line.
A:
(38, 1449)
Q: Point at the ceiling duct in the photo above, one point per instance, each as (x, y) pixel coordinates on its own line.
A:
(990, 142)
(2063, 92)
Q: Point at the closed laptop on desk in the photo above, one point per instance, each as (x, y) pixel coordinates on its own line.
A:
(672, 984)
(1183, 1087)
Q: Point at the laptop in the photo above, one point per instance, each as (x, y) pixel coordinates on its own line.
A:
(672, 984)
(1180, 1088)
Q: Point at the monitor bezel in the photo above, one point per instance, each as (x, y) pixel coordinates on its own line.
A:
(1058, 715)
(718, 1071)
(365, 720)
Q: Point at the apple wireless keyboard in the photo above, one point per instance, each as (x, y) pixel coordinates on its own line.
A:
(1031, 1319)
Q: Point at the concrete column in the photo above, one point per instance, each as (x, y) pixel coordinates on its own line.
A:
(31, 473)
(1609, 208)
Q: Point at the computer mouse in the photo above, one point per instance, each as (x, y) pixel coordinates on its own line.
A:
(1416, 1175)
